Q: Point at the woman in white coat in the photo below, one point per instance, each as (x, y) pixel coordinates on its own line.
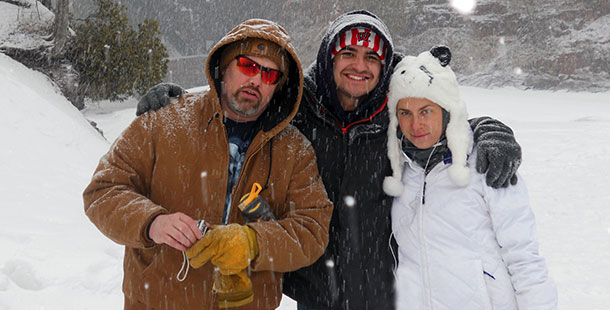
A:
(461, 243)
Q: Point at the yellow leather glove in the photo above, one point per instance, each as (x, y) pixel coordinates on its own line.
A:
(233, 290)
(231, 248)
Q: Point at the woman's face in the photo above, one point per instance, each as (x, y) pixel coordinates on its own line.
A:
(420, 120)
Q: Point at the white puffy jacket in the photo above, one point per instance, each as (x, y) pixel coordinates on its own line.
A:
(470, 247)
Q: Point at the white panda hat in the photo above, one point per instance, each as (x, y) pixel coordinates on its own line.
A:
(429, 76)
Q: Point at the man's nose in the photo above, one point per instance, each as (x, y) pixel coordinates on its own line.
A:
(360, 63)
(418, 122)
(256, 80)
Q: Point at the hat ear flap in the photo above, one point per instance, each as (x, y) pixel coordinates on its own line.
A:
(443, 54)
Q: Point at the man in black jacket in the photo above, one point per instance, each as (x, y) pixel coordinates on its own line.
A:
(343, 113)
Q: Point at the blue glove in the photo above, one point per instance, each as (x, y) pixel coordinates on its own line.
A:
(158, 97)
(499, 154)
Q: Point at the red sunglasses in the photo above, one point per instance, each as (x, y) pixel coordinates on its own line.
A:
(250, 67)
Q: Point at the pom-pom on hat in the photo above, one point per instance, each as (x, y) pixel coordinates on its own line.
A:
(429, 76)
(257, 47)
(361, 36)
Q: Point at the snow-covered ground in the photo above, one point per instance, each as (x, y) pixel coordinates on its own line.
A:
(24, 27)
(52, 257)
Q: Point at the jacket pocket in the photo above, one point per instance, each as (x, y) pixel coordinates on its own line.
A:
(484, 276)
(152, 264)
(458, 285)
(499, 287)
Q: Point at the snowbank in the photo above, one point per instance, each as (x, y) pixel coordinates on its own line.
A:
(52, 257)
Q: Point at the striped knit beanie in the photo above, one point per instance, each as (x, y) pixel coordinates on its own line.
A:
(361, 36)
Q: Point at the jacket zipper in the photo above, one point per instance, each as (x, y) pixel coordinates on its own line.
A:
(423, 194)
(424, 248)
(226, 162)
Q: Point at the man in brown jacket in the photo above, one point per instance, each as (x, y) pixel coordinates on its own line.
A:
(195, 160)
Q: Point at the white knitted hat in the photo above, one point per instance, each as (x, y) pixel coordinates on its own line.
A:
(429, 76)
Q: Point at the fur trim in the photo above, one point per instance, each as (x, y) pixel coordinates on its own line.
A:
(393, 186)
(395, 155)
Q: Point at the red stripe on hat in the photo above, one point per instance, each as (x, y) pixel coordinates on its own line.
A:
(354, 36)
(341, 41)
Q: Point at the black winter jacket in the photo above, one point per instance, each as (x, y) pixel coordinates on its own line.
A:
(355, 271)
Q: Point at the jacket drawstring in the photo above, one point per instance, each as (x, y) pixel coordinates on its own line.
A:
(395, 269)
(423, 196)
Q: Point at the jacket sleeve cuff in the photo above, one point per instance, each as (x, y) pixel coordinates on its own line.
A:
(146, 240)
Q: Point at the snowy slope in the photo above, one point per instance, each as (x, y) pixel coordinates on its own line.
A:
(53, 258)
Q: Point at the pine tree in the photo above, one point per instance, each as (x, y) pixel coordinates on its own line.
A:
(113, 60)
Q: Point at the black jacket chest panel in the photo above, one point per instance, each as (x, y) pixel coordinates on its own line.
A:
(353, 166)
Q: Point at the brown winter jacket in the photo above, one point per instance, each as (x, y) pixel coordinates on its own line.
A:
(156, 167)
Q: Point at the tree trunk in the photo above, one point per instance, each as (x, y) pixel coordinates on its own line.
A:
(60, 27)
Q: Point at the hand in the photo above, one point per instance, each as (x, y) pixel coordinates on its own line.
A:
(177, 230)
(498, 153)
(158, 97)
(231, 248)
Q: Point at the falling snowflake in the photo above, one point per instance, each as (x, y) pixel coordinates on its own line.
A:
(463, 6)
(518, 71)
(349, 201)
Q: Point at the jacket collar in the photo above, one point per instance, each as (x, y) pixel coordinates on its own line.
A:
(376, 122)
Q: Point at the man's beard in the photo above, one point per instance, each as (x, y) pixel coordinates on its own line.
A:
(242, 107)
(346, 94)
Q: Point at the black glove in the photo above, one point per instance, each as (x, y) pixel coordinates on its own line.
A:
(158, 97)
(499, 154)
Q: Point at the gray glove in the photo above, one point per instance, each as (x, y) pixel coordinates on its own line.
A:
(158, 97)
(499, 154)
